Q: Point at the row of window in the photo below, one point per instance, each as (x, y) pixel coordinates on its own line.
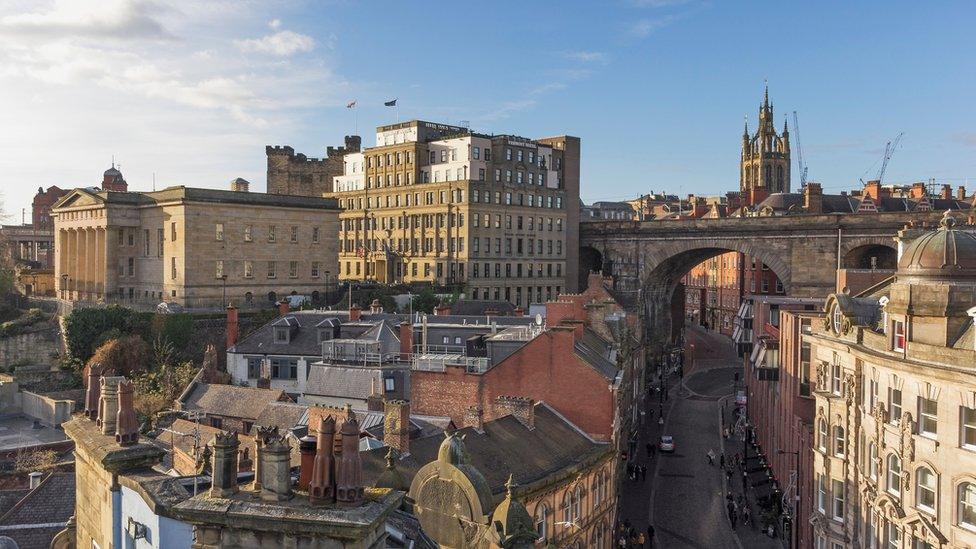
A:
(439, 245)
(223, 268)
(571, 509)
(443, 220)
(484, 270)
(453, 196)
(516, 295)
(272, 234)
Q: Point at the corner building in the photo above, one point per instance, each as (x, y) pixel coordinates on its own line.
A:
(895, 427)
(442, 204)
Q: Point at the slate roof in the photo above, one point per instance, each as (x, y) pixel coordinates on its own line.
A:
(846, 203)
(283, 415)
(231, 400)
(9, 498)
(52, 502)
(506, 447)
(342, 382)
(596, 352)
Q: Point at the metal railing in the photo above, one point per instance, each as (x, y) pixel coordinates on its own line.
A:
(440, 362)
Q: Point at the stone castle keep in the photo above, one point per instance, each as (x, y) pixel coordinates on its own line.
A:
(297, 174)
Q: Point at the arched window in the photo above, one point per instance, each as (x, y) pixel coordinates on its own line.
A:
(894, 474)
(542, 521)
(769, 179)
(927, 489)
(598, 483)
(599, 536)
(779, 178)
(839, 441)
(822, 438)
(967, 505)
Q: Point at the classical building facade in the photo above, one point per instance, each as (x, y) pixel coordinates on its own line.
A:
(765, 165)
(895, 427)
(442, 204)
(194, 247)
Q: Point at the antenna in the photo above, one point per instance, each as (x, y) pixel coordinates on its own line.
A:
(154, 181)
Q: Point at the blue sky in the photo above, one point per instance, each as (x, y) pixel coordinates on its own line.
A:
(656, 89)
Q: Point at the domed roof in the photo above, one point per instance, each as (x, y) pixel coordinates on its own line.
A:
(511, 521)
(112, 171)
(947, 252)
(7, 543)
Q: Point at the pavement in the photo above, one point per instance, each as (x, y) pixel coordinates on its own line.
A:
(683, 496)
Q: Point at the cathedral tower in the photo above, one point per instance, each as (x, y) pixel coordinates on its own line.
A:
(765, 164)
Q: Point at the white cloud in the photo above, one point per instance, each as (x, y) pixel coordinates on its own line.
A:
(282, 43)
(587, 56)
(643, 28)
(166, 87)
(125, 19)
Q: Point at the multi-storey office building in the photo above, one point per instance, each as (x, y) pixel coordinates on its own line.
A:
(895, 425)
(194, 247)
(439, 203)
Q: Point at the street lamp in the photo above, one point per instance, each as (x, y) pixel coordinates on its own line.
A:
(795, 538)
(64, 286)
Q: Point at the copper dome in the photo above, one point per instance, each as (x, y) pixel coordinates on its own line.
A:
(944, 253)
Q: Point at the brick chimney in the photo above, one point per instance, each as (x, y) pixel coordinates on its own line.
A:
(126, 424)
(519, 311)
(757, 195)
(918, 190)
(813, 198)
(961, 192)
(522, 408)
(275, 458)
(349, 466)
(321, 488)
(225, 447)
(374, 402)
(946, 192)
(442, 309)
(474, 417)
(873, 189)
(108, 404)
(396, 426)
(406, 340)
(233, 327)
(577, 326)
(355, 312)
(284, 307)
(306, 448)
(558, 311)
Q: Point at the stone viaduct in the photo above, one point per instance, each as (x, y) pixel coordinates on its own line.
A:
(649, 258)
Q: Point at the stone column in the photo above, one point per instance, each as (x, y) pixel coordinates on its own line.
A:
(111, 262)
(75, 263)
(89, 263)
(60, 243)
(99, 263)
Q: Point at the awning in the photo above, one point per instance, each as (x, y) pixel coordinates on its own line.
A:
(736, 334)
(755, 354)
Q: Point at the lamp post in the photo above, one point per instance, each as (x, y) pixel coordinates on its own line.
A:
(794, 524)
(64, 286)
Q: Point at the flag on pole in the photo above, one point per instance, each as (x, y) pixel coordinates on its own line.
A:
(390, 103)
(351, 104)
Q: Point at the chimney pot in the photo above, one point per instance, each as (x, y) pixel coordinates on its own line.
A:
(225, 446)
(349, 468)
(322, 485)
(406, 340)
(232, 326)
(284, 307)
(306, 447)
(126, 424)
(275, 458)
(108, 404)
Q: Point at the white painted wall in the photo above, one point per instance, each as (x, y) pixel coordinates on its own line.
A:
(161, 531)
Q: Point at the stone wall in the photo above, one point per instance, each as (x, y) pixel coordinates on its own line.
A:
(49, 411)
(39, 346)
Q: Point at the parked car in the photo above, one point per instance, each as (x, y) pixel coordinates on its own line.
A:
(667, 443)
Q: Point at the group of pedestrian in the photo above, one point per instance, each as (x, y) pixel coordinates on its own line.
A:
(629, 538)
(637, 472)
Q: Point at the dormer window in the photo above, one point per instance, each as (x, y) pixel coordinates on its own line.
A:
(837, 319)
(282, 334)
(325, 334)
(897, 335)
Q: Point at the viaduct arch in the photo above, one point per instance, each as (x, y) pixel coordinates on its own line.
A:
(649, 258)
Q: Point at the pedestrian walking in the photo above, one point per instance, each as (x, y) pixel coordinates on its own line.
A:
(721, 460)
(650, 535)
(641, 540)
(643, 473)
(732, 517)
(711, 457)
(747, 516)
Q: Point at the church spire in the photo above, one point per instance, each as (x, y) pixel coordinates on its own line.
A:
(786, 125)
(766, 94)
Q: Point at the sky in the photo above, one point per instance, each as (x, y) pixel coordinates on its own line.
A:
(657, 90)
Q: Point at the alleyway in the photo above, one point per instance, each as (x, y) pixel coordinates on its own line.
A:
(684, 496)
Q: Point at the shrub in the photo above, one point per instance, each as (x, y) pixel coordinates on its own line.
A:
(123, 356)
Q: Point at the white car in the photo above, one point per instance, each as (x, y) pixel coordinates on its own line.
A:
(667, 443)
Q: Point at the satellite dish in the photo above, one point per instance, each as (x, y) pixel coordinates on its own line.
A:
(538, 319)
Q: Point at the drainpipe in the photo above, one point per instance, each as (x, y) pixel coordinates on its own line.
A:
(840, 232)
(116, 512)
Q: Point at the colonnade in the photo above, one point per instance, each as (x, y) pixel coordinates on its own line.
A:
(81, 269)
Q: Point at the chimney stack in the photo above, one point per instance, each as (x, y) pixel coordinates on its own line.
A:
(306, 447)
(321, 488)
(406, 340)
(108, 404)
(275, 458)
(813, 198)
(918, 190)
(349, 467)
(224, 471)
(240, 185)
(355, 312)
(263, 433)
(442, 309)
(961, 192)
(396, 425)
(946, 192)
(374, 402)
(284, 307)
(233, 328)
(375, 308)
(92, 392)
(522, 408)
(126, 424)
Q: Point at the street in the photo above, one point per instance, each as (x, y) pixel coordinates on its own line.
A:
(685, 497)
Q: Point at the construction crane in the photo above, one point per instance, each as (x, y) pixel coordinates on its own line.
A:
(799, 153)
(889, 150)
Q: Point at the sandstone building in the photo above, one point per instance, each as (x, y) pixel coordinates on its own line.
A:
(194, 247)
(765, 165)
(442, 204)
(895, 425)
(297, 174)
